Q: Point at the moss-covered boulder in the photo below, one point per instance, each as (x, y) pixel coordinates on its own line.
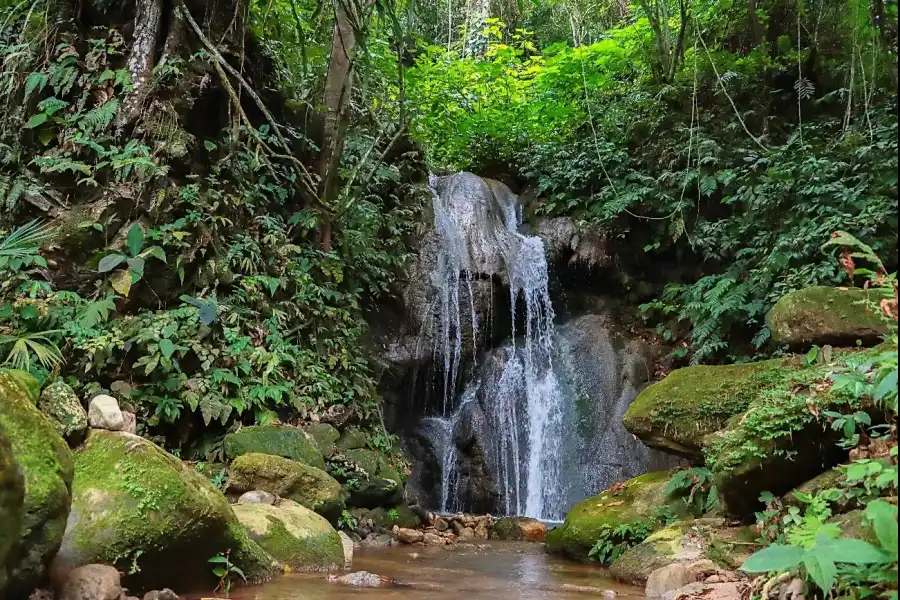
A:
(46, 462)
(12, 498)
(293, 534)
(385, 518)
(519, 528)
(637, 500)
(313, 488)
(684, 542)
(351, 439)
(141, 509)
(278, 440)
(825, 315)
(674, 414)
(381, 484)
(324, 437)
(61, 405)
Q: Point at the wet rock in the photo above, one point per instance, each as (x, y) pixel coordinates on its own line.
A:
(635, 500)
(466, 534)
(61, 405)
(130, 420)
(92, 582)
(285, 478)
(12, 498)
(277, 440)
(825, 315)
(104, 413)
(347, 545)
(45, 461)
(433, 539)
(351, 439)
(293, 535)
(441, 524)
(324, 437)
(410, 536)
(362, 579)
(706, 591)
(609, 595)
(481, 530)
(257, 497)
(677, 575)
(582, 246)
(163, 594)
(133, 501)
(519, 528)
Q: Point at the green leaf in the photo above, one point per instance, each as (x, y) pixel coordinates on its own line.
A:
(209, 145)
(218, 560)
(774, 558)
(154, 252)
(883, 516)
(167, 347)
(110, 262)
(220, 572)
(135, 239)
(136, 266)
(36, 121)
(887, 386)
(821, 570)
(850, 551)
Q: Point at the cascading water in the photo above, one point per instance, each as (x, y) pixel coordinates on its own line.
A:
(478, 230)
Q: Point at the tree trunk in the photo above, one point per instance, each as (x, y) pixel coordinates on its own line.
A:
(338, 86)
(148, 17)
(756, 30)
(679, 45)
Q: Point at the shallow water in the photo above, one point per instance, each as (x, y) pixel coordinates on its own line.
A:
(490, 571)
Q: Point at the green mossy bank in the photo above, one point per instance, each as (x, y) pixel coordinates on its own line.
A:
(46, 462)
(278, 440)
(157, 519)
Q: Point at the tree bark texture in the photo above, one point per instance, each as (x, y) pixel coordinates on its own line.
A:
(148, 18)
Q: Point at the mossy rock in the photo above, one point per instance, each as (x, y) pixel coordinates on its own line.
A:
(384, 486)
(825, 315)
(853, 525)
(12, 505)
(61, 405)
(293, 534)
(637, 500)
(324, 437)
(136, 505)
(46, 462)
(278, 440)
(831, 479)
(369, 461)
(352, 438)
(313, 488)
(683, 541)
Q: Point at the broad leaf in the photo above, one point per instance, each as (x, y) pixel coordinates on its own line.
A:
(850, 551)
(121, 282)
(821, 570)
(110, 262)
(135, 239)
(155, 252)
(883, 516)
(774, 558)
(167, 348)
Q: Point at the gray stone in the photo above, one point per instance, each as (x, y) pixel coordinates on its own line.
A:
(92, 582)
(256, 497)
(61, 405)
(130, 422)
(163, 594)
(362, 579)
(347, 543)
(104, 413)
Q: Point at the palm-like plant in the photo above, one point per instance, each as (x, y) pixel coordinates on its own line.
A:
(21, 248)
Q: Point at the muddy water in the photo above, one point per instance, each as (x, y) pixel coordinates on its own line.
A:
(494, 571)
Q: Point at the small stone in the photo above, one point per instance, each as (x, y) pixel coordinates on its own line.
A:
(61, 405)
(409, 536)
(347, 543)
(433, 539)
(130, 420)
(466, 534)
(92, 582)
(714, 579)
(706, 591)
(362, 579)
(104, 413)
(257, 497)
(163, 594)
(441, 524)
(481, 530)
(609, 595)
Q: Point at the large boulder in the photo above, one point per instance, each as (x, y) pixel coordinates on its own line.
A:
(519, 528)
(46, 462)
(351, 438)
(313, 488)
(673, 415)
(61, 405)
(157, 519)
(278, 440)
(293, 534)
(381, 485)
(825, 315)
(684, 543)
(324, 437)
(636, 500)
(12, 497)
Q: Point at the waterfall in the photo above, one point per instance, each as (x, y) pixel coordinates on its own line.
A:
(478, 224)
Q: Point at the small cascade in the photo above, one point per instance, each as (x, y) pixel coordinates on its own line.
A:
(442, 433)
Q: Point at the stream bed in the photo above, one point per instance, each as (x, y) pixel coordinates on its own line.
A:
(488, 571)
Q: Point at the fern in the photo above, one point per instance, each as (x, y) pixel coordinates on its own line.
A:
(99, 118)
(96, 312)
(54, 164)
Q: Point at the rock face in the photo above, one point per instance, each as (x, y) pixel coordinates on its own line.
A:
(61, 405)
(347, 547)
(566, 241)
(675, 576)
(313, 488)
(278, 440)
(12, 498)
(673, 415)
(383, 486)
(135, 504)
(324, 437)
(104, 413)
(519, 528)
(293, 535)
(92, 582)
(46, 462)
(635, 500)
(824, 315)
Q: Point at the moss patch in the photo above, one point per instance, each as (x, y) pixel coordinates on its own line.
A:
(324, 437)
(60, 403)
(12, 498)
(135, 505)
(825, 315)
(352, 439)
(639, 500)
(293, 534)
(313, 488)
(46, 461)
(673, 415)
(279, 440)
